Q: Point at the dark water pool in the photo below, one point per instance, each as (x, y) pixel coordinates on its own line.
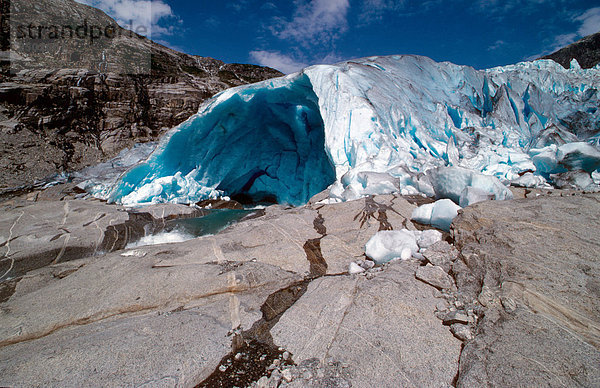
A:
(212, 223)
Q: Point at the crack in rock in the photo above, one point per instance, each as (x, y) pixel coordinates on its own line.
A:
(126, 311)
(318, 265)
(371, 207)
(253, 350)
(319, 224)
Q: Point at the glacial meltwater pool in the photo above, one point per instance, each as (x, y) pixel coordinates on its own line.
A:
(184, 229)
(215, 221)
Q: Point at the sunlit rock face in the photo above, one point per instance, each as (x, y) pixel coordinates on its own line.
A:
(378, 125)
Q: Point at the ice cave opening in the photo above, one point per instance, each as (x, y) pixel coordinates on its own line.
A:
(258, 143)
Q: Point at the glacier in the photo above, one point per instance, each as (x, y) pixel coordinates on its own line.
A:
(379, 125)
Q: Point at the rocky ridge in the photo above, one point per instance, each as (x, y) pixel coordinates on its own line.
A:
(586, 51)
(509, 299)
(54, 118)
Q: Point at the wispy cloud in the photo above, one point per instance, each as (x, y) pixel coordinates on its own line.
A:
(268, 6)
(372, 10)
(376, 10)
(138, 13)
(503, 8)
(497, 44)
(315, 21)
(239, 5)
(563, 40)
(310, 34)
(275, 59)
(289, 63)
(590, 22)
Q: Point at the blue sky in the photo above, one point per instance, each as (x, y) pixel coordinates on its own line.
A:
(289, 35)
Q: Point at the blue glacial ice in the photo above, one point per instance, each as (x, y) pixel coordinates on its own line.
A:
(379, 125)
(262, 141)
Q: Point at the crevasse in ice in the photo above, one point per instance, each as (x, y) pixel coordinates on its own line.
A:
(378, 125)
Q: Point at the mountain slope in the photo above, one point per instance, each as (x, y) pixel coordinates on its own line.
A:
(586, 51)
(69, 106)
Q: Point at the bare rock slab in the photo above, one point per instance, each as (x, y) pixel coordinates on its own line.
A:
(537, 266)
(42, 233)
(159, 316)
(157, 349)
(434, 276)
(384, 328)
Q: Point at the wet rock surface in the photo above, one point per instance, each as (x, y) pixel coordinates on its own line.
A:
(34, 235)
(271, 302)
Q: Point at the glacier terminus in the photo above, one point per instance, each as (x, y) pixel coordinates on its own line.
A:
(379, 125)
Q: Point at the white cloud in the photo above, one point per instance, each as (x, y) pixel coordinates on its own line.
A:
(275, 59)
(590, 22)
(141, 14)
(238, 6)
(498, 44)
(563, 40)
(559, 42)
(289, 63)
(317, 21)
(268, 6)
(372, 10)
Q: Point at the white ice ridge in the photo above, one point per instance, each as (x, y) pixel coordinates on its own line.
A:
(378, 125)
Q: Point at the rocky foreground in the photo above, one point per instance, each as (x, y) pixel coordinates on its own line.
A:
(510, 298)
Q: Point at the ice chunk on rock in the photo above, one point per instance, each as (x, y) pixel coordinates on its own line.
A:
(428, 237)
(354, 268)
(355, 185)
(453, 183)
(529, 180)
(545, 159)
(471, 195)
(391, 244)
(439, 214)
(579, 156)
(578, 180)
(568, 157)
